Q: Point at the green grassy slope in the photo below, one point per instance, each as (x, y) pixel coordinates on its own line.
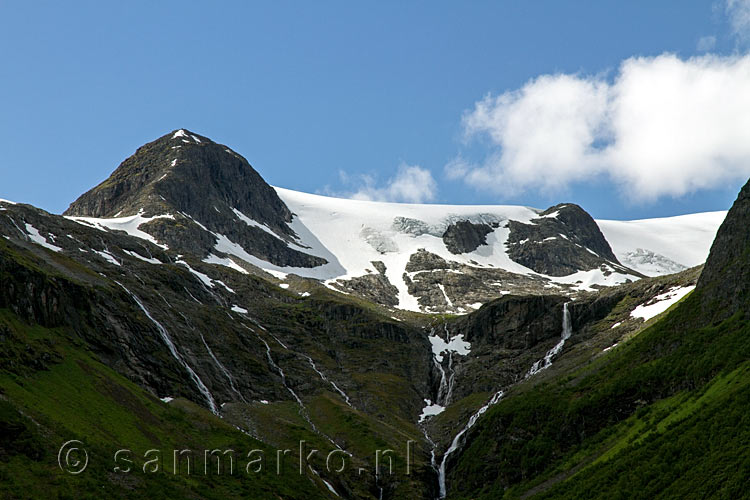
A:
(72, 396)
(663, 414)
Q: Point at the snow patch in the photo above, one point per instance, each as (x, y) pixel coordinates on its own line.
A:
(661, 303)
(239, 309)
(37, 238)
(224, 261)
(129, 224)
(224, 285)
(202, 277)
(138, 256)
(455, 345)
(107, 256)
(430, 410)
(250, 222)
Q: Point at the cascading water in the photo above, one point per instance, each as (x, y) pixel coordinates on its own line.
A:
(223, 369)
(546, 362)
(443, 388)
(302, 409)
(173, 350)
(326, 379)
(310, 360)
(542, 364)
(457, 440)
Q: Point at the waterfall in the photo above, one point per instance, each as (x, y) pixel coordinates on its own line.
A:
(173, 350)
(451, 379)
(542, 364)
(457, 440)
(302, 409)
(223, 369)
(278, 369)
(546, 362)
(443, 389)
(325, 379)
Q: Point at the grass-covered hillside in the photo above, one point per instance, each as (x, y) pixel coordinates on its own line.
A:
(663, 415)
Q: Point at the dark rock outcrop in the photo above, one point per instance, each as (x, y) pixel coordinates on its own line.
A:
(564, 240)
(208, 190)
(465, 236)
(725, 281)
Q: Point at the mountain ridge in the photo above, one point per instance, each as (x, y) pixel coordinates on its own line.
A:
(364, 248)
(220, 341)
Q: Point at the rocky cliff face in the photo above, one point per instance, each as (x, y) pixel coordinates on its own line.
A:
(466, 236)
(725, 282)
(565, 239)
(208, 190)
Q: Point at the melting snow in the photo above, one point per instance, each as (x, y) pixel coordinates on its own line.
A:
(350, 234)
(39, 239)
(224, 285)
(224, 261)
(430, 410)
(107, 256)
(445, 295)
(284, 285)
(128, 224)
(660, 303)
(250, 222)
(150, 260)
(239, 309)
(203, 277)
(456, 345)
(179, 133)
(167, 399)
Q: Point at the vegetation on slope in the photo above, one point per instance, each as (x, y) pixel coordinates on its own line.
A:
(622, 413)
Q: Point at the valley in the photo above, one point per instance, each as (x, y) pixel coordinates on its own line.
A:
(486, 351)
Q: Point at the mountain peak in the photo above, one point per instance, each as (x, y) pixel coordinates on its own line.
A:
(207, 188)
(171, 173)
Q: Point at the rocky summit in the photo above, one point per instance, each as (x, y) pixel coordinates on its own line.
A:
(487, 351)
(187, 189)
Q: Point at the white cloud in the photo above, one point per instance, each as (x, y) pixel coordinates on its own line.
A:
(738, 12)
(412, 184)
(706, 43)
(663, 126)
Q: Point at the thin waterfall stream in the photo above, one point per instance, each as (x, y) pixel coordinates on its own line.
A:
(538, 366)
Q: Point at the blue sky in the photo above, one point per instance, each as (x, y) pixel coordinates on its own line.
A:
(373, 100)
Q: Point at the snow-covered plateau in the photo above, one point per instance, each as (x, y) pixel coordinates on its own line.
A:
(403, 248)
